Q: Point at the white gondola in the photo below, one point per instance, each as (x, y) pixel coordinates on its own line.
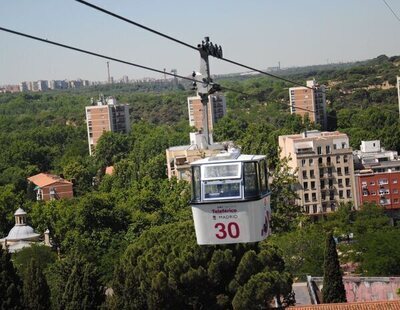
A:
(230, 199)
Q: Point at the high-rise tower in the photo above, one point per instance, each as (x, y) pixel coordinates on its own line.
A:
(311, 101)
(106, 115)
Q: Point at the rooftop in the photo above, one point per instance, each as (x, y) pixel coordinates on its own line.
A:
(363, 305)
(44, 179)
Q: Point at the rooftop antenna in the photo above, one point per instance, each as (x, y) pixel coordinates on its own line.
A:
(108, 72)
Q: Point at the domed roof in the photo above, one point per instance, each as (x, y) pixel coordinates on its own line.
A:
(22, 232)
(20, 212)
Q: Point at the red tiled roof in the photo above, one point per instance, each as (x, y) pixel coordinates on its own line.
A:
(362, 305)
(110, 170)
(44, 179)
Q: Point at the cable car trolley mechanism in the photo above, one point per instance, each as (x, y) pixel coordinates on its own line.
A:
(230, 198)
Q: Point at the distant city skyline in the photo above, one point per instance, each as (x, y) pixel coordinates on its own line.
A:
(258, 33)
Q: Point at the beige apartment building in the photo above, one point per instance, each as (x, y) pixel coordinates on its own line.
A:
(216, 110)
(180, 157)
(312, 102)
(105, 116)
(323, 162)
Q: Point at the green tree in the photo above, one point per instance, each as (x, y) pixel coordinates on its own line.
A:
(285, 213)
(40, 253)
(380, 255)
(164, 267)
(111, 147)
(75, 284)
(35, 288)
(333, 288)
(10, 283)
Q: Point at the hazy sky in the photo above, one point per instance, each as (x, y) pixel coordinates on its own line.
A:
(255, 32)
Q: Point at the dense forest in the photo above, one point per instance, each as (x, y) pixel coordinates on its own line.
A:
(127, 240)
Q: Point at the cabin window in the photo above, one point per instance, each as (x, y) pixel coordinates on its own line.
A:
(222, 189)
(196, 185)
(263, 177)
(250, 180)
(222, 171)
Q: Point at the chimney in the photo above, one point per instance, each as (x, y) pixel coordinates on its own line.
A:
(47, 238)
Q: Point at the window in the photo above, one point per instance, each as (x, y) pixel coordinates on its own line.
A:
(341, 195)
(348, 193)
(370, 183)
(346, 170)
(394, 181)
(323, 195)
(304, 174)
(365, 193)
(263, 177)
(196, 186)
(319, 150)
(340, 182)
(328, 149)
(314, 196)
(307, 209)
(312, 175)
(328, 161)
(334, 146)
(226, 189)
(395, 191)
(221, 171)
(321, 172)
(306, 198)
(373, 193)
(315, 210)
(343, 145)
(345, 158)
(311, 161)
(338, 159)
(383, 181)
(313, 185)
(305, 186)
(396, 200)
(303, 162)
(250, 180)
(339, 171)
(322, 183)
(347, 182)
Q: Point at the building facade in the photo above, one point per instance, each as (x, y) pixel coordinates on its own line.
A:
(377, 175)
(107, 115)
(216, 110)
(323, 162)
(312, 102)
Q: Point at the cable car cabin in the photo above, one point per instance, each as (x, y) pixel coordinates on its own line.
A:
(230, 199)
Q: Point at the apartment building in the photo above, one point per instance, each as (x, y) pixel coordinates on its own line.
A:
(180, 157)
(216, 110)
(312, 102)
(323, 162)
(105, 116)
(377, 175)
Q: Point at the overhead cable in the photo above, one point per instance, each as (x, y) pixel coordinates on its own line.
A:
(95, 54)
(186, 44)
